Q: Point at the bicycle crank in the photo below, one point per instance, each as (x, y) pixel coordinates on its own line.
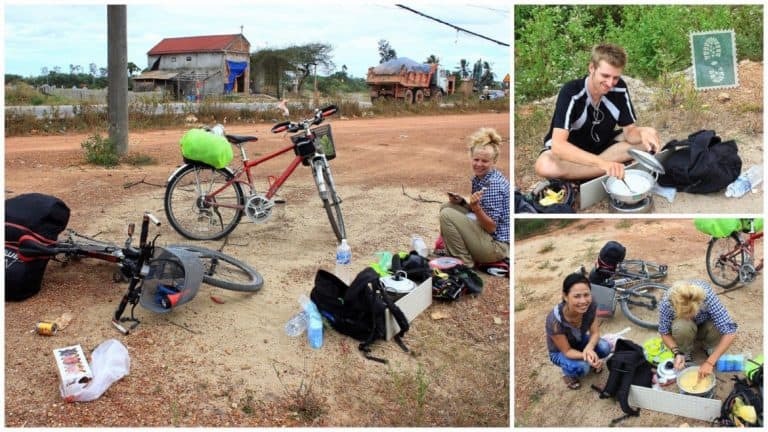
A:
(258, 208)
(747, 273)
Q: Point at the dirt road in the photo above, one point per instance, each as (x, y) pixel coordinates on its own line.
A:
(210, 364)
(541, 264)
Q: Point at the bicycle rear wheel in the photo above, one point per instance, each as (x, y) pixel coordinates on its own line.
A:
(640, 304)
(639, 269)
(195, 217)
(724, 259)
(331, 200)
(224, 271)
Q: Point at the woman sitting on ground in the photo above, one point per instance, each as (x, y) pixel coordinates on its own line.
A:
(478, 231)
(573, 335)
(691, 311)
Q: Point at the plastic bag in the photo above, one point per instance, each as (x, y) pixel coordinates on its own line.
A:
(110, 362)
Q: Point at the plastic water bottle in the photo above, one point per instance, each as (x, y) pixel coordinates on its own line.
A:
(344, 262)
(747, 181)
(732, 362)
(315, 332)
(417, 244)
(299, 322)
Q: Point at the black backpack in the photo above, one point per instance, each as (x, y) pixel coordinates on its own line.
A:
(415, 266)
(748, 396)
(38, 217)
(611, 254)
(358, 310)
(626, 367)
(703, 163)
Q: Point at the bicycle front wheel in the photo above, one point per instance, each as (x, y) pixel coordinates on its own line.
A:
(331, 199)
(724, 259)
(642, 269)
(640, 304)
(196, 214)
(224, 271)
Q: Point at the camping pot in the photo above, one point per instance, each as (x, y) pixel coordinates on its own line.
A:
(640, 182)
(687, 383)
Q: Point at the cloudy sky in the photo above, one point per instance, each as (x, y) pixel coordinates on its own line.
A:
(50, 34)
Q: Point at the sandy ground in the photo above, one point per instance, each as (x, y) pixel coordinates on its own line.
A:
(541, 264)
(201, 364)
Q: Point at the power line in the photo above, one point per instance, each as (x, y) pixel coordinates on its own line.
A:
(451, 25)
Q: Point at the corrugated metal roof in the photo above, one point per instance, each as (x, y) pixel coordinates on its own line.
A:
(156, 74)
(192, 44)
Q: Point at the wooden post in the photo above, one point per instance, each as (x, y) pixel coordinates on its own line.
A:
(117, 70)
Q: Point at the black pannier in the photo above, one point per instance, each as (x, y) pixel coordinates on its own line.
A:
(41, 216)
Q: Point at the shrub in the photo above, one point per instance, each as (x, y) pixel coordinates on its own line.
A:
(552, 43)
(100, 151)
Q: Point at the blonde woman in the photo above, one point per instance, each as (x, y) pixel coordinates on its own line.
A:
(478, 231)
(691, 312)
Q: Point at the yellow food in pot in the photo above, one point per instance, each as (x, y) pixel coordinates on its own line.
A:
(691, 383)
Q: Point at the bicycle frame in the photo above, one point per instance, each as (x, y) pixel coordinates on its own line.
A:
(274, 183)
(747, 246)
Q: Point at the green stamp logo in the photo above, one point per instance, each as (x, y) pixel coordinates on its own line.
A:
(714, 59)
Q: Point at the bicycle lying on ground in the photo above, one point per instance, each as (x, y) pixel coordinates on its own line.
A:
(205, 203)
(633, 284)
(731, 259)
(137, 265)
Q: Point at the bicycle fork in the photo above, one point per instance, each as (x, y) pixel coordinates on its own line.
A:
(318, 167)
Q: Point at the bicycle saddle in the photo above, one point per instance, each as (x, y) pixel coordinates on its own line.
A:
(239, 139)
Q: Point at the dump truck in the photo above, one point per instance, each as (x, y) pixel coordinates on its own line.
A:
(409, 81)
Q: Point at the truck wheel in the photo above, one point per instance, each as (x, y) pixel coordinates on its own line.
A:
(437, 97)
(408, 97)
(419, 97)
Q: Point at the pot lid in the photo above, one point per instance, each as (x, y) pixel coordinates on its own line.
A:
(398, 283)
(647, 160)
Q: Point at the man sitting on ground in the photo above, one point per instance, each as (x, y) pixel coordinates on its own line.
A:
(582, 140)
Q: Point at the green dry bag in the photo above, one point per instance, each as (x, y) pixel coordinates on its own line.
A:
(758, 225)
(203, 146)
(717, 227)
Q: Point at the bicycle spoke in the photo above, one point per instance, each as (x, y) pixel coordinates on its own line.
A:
(194, 212)
(724, 259)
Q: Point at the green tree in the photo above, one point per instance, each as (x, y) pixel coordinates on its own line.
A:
(386, 52)
(463, 69)
(132, 68)
(432, 59)
(305, 58)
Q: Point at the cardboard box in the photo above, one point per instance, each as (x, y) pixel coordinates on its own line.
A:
(73, 369)
(412, 304)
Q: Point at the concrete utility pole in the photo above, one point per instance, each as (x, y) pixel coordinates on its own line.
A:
(117, 78)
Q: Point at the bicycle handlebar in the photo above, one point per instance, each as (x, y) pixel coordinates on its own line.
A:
(293, 127)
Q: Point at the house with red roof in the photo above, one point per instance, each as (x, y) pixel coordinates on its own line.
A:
(195, 66)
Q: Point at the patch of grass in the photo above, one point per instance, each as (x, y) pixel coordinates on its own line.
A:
(100, 151)
(525, 228)
(524, 293)
(549, 247)
(624, 224)
(411, 389)
(303, 400)
(247, 403)
(750, 108)
(139, 159)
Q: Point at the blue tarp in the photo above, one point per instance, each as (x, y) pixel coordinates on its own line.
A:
(235, 70)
